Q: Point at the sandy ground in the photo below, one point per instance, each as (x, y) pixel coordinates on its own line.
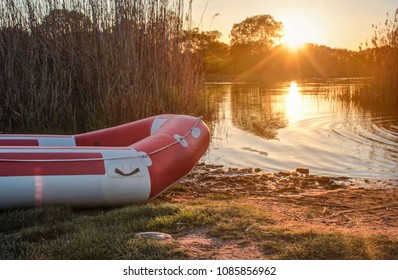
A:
(297, 200)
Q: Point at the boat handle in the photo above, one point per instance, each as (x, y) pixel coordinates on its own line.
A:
(120, 172)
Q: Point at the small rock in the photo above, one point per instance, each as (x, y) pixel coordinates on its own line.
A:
(303, 170)
(283, 173)
(324, 180)
(153, 235)
(385, 218)
(257, 170)
(219, 171)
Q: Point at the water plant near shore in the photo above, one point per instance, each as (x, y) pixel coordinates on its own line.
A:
(382, 88)
(76, 65)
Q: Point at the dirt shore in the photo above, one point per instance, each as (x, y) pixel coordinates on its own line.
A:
(221, 213)
(297, 201)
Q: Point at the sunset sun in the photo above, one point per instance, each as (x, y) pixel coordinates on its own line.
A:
(298, 31)
(293, 41)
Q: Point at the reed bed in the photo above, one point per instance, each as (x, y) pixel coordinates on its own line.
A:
(382, 88)
(75, 65)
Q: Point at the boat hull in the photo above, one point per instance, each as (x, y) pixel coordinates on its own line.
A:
(98, 169)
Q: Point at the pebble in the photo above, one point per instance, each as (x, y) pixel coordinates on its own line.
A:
(385, 218)
(303, 170)
(324, 180)
(283, 173)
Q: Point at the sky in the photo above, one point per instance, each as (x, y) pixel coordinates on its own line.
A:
(334, 23)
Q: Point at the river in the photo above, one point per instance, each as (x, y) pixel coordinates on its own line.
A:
(285, 125)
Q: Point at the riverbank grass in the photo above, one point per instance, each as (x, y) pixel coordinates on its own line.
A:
(63, 233)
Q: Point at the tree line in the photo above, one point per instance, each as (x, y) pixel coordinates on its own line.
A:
(255, 52)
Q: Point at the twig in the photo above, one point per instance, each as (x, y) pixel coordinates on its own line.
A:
(363, 209)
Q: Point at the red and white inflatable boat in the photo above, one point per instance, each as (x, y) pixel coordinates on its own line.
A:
(126, 164)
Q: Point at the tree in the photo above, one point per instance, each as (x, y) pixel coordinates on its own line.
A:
(259, 33)
(252, 40)
(213, 52)
(197, 41)
(216, 58)
(60, 22)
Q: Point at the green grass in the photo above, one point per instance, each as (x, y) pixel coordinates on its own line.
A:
(62, 233)
(310, 245)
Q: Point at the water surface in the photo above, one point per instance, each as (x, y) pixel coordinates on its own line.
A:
(286, 125)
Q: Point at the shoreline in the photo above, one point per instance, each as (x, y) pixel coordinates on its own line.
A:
(300, 202)
(334, 196)
(220, 213)
(321, 204)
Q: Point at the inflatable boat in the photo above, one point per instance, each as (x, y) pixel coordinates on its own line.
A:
(126, 164)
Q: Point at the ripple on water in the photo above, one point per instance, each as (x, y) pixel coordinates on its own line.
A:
(321, 135)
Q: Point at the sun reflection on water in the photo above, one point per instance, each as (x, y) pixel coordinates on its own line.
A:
(293, 103)
(285, 125)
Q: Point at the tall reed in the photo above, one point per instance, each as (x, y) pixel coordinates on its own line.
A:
(382, 88)
(75, 65)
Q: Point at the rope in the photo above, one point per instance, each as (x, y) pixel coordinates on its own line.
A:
(198, 120)
(120, 172)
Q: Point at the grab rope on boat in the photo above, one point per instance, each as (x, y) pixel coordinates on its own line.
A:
(177, 141)
(120, 172)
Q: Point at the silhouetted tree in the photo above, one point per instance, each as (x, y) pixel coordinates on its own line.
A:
(253, 38)
(197, 41)
(215, 54)
(62, 21)
(260, 33)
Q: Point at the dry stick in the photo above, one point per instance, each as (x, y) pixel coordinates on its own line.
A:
(348, 218)
(306, 202)
(364, 209)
